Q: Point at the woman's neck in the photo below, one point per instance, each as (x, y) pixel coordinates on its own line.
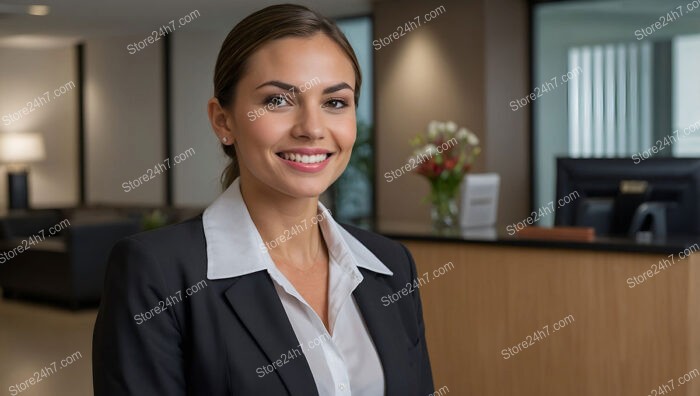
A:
(284, 223)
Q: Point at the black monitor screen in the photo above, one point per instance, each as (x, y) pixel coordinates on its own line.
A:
(675, 181)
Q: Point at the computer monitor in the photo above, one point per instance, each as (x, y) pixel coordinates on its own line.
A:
(674, 182)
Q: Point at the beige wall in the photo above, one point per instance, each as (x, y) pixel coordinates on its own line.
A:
(196, 181)
(26, 75)
(507, 77)
(452, 68)
(123, 121)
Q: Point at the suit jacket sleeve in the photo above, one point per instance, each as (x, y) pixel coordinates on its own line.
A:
(426, 376)
(131, 358)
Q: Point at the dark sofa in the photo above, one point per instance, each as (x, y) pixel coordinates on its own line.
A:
(66, 268)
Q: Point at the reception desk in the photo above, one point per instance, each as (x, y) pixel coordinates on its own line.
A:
(515, 317)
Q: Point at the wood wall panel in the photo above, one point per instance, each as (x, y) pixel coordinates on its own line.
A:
(623, 341)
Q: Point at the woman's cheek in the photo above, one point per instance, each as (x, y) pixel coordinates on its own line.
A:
(269, 129)
(349, 138)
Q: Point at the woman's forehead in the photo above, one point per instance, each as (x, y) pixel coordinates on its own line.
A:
(300, 59)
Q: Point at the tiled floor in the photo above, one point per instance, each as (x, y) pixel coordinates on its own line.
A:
(33, 336)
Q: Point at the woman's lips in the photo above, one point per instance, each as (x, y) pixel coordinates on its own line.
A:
(304, 162)
(304, 158)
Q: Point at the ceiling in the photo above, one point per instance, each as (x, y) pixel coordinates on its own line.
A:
(623, 9)
(612, 21)
(70, 21)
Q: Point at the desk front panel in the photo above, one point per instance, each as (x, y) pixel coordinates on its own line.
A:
(537, 321)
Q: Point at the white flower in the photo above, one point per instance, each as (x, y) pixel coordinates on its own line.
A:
(451, 127)
(433, 127)
(418, 153)
(472, 139)
(430, 149)
(463, 134)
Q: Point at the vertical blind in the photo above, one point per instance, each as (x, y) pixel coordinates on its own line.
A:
(610, 108)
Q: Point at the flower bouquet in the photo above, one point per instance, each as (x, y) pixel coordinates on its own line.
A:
(444, 154)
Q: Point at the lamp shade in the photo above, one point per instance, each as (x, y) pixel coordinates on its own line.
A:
(21, 148)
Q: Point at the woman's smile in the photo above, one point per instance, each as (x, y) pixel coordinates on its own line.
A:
(308, 160)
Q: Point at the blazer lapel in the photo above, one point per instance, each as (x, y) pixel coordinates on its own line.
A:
(257, 304)
(382, 322)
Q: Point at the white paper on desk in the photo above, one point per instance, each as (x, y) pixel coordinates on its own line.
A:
(479, 205)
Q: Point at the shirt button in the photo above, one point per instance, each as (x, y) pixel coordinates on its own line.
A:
(341, 387)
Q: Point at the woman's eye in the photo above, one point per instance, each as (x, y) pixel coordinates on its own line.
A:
(276, 100)
(336, 104)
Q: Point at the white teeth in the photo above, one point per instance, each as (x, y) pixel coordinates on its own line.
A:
(305, 159)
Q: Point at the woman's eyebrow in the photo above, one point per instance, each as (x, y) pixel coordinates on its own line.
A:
(337, 87)
(290, 87)
(278, 84)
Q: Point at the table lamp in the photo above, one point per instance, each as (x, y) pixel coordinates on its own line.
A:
(17, 150)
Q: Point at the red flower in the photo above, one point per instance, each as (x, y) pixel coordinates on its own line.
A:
(437, 169)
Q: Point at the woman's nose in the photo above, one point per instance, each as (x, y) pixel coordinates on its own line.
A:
(309, 123)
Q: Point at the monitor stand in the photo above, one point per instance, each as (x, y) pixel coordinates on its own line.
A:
(649, 216)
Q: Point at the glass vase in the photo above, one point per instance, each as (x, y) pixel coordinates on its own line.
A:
(443, 198)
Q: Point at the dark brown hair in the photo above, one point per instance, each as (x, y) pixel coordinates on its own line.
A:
(270, 23)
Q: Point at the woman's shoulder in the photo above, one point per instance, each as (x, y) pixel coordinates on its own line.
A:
(182, 234)
(172, 249)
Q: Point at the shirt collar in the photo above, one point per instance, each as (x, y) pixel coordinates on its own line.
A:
(235, 248)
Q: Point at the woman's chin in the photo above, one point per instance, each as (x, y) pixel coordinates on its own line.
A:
(307, 185)
(308, 190)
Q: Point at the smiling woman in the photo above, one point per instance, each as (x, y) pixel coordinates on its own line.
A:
(263, 304)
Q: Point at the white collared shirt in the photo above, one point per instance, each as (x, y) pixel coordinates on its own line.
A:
(345, 363)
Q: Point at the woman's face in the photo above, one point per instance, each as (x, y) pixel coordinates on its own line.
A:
(293, 115)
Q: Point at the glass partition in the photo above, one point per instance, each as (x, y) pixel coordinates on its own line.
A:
(613, 79)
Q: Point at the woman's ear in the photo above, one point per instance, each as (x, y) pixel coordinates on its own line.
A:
(220, 123)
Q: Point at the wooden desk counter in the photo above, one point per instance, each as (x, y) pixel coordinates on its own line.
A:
(604, 338)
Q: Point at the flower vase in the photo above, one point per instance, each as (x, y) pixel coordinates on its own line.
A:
(443, 199)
